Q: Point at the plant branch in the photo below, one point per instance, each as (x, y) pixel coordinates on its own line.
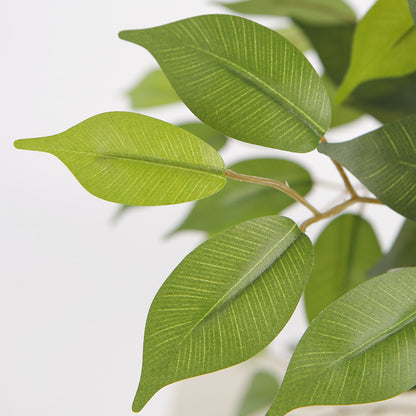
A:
(338, 209)
(274, 184)
(344, 176)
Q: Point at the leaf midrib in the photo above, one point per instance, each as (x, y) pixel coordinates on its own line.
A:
(229, 291)
(377, 338)
(148, 159)
(261, 85)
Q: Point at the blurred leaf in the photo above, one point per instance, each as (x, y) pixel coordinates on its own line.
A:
(344, 252)
(260, 393)
(341, 113)
(312, 11)
(242, 79)
(412, 6)
(402, 253)
(333, 45)
(153, 90)
(360, 349)
(384, 160)
(388, 99)
(384, 45)
(240, 201)
(296, 36)
(135, 160)
(206, 133)
(225, 302)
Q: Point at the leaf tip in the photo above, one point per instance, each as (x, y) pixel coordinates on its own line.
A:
(25, 144)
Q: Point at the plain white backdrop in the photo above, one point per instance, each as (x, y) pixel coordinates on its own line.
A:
(75, 287)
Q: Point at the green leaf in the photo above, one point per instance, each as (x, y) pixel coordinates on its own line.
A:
(135, 160)
(295, 35)
(206, 133)
(344, 252)
(240, 201)
(360, 349)
(384, 160)
(260, 393)
(387, 99)
(341, 113)
(384, 45)
(328, 12)
(225, 302)
(242, 79)
(152, 91)
(402, 253)
(412, 6)
(333, 45)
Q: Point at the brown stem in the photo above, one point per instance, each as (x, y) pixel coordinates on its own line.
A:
(337, 209)
(274, 184)
(344, 176)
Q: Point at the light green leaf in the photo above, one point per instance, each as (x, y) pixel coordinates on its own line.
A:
(341, 113)
(135, 160)
(384, 45)
(242, 79)
(260, 393)
(360, 349)
(402, 253)
(240, 201)
(384, 160)
(152, 91)
(327, 12)
(225, 302)
(296, 36)
(344, 252)
(412, 6)
(206, 133)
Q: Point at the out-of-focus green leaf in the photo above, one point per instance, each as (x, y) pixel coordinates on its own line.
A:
(333, 45)
(412, 6)
(341, 113)
(384, 45)
(387, 100)
(260, 393)
(153, 90)
(242, 79)
(135, 160)
(344, 252)
(240, 201)
(402, 253)
(384, 160)
(360, 349)
(322, 12)
(296, 36)
(225, 302)
(206, 133)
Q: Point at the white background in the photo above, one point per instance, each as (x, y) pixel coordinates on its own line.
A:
(75, 287)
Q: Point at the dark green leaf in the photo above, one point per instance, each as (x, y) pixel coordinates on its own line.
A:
(333, 45)
(240, 201)
(384, 160)
(260, 393)
(225, 302)
(412, 6)
(403, 251)
(344, 252)
(341, 113)
(206, 133)
(361, 348)
(135, 160)
(388, 99)
(384, 45)
(152, 91)
(242, 79)
(327, 12)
